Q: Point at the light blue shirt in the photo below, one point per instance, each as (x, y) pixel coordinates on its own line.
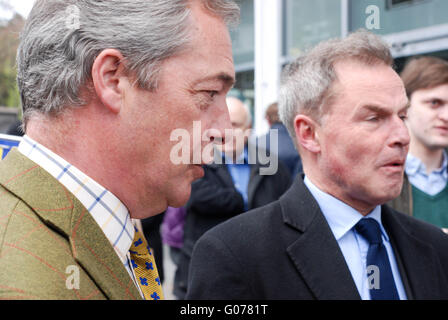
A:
(431, 184)
(342, 218)
(240, 172)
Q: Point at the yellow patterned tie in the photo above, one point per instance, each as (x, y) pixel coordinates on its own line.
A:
(145, 268)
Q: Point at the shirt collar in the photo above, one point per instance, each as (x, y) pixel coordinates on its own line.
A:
(340, 217)
(241, 159)
(107, 210)
(414, 165)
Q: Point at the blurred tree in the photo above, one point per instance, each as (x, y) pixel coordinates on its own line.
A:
(5, 5)
(9, 41)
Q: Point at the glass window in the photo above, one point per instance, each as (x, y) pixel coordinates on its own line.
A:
(310, 22)
(397, 16)
(244, 88)
(243, 38)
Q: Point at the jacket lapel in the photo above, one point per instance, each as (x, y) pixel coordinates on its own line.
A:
(418, 260)
(316, 253)
(61, 210)
(93, 251)
(254, 180)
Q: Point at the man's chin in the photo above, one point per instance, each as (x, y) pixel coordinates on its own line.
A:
(180, 197)
(392, 194)
(198, 172)
(182, 191)
(179, 201)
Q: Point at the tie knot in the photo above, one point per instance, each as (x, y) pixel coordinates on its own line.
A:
(370, 229)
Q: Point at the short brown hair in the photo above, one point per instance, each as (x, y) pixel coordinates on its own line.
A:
(272, 113)
(424, 73)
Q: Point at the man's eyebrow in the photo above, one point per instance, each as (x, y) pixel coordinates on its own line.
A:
(227, 79)
(374, 108)
(380, 109)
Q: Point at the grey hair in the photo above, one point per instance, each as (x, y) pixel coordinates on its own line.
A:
(55, 60)
(306, 85)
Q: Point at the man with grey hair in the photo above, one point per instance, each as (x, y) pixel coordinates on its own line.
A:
(103, 85)
(330, 236)
(228, 188)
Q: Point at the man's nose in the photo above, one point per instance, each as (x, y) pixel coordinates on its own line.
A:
(443, 114)
(220, 123)
(400, 136)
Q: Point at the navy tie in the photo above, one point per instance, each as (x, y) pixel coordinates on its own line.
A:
(377, 262)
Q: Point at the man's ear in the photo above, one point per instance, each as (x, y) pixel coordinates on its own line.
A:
(107, 73)
(306, 133)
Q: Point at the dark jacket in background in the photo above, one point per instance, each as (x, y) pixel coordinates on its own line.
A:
(287, 152)
(214, 199)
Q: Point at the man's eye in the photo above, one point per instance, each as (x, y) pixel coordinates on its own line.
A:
(211, 93)
(435, 103)
(205, 98)
(404, 117)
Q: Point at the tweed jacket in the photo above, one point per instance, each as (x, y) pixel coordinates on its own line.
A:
(50, 246)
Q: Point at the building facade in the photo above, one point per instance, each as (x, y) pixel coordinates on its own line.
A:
(274, 32)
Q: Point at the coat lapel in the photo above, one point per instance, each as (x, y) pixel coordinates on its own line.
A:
(316, 253)
(61, 210)
(94, 252)
(418, 260)
(254, 180)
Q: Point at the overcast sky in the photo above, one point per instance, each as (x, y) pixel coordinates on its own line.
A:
(21, 6)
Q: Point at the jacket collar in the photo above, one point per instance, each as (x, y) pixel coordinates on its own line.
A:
(317, 249)
(254, 180)
(315, 253)
(417, 260)
(61, 210)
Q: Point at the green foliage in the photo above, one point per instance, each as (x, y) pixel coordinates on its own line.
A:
(9, 41)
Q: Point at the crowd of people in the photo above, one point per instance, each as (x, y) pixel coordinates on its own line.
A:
(355, 208)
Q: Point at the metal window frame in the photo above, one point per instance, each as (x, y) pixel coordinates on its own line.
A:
(390, 6)
(418, 41)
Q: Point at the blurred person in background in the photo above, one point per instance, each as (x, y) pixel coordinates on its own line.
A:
(286, 151)
(227, 190)
(425, 189)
